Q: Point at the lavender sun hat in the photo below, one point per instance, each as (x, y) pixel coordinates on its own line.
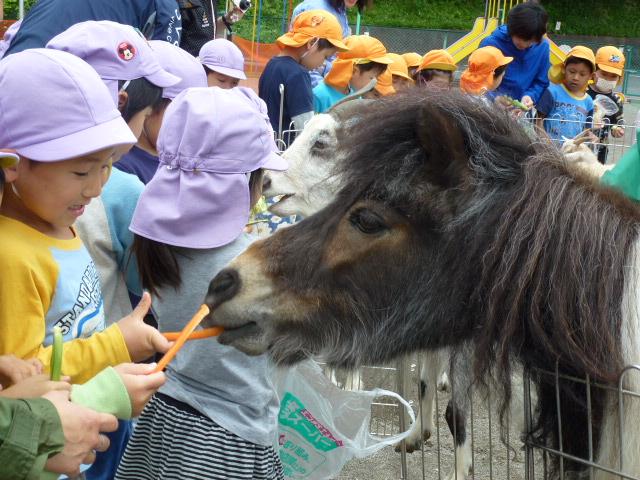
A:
(223, 56)
(9, 35)
(54, 107)
(209, 140)
(116, 51)
(180, 63)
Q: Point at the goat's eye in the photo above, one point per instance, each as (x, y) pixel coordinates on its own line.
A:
(367, 222)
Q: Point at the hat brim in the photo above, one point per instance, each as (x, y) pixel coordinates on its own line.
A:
(163, 79)
(112, 133)
(403, 75)
(608, 69)
(384, 59)
(439, 66)
(506, 61)
(229, 72)
(288, 41)
(275, 162)
(8, 159)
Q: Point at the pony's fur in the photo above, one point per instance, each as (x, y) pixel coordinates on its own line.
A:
(552, 247)
(488, 240)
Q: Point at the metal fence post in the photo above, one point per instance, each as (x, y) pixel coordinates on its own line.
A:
(401, 381)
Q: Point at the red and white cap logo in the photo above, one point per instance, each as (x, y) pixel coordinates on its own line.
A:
(126, 51)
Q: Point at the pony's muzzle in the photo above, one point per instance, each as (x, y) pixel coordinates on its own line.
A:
(223, 287)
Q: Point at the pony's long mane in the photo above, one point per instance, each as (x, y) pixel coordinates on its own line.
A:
(545, 247)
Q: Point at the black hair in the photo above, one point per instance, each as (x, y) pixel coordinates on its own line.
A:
(141, 94)
(528, 21)
(500, 70)
(158, 262)
(323, 44)
(367, 67)
(2, 180)
(340, 6)
(577, 61)
(427, 74)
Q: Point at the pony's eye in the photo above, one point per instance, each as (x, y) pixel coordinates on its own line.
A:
(367, 222)
(319, 145)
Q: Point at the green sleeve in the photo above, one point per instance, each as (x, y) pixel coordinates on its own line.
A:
(625, 176)
(104, 393)
(30, 432)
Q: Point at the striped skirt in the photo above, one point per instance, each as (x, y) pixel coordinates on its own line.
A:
(173, 441)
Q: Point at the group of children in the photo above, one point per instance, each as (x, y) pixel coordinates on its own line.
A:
(130, 167)
(565, 109)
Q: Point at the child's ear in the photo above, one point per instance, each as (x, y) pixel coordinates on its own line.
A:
(10, 173)
(123, 99)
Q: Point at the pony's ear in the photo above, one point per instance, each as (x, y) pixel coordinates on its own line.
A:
(444, 146)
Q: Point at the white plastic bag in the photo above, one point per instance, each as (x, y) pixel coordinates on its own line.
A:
(321, 427)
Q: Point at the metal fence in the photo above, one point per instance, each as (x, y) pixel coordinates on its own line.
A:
(494, 453)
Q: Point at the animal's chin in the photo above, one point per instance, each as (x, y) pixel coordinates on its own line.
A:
(248, 338)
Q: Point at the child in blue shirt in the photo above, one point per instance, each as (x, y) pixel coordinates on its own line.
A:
(315, 36)
(565, 109)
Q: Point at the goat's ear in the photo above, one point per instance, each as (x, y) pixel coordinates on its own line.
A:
(444, 146)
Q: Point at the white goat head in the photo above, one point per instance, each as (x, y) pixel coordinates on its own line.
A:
(309, 184)
(579, 154)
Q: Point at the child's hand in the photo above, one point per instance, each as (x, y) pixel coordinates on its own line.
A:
(14, 369)
(35, 386)
(527, 101)
(617, 131)
(140, 383)
(142, 340)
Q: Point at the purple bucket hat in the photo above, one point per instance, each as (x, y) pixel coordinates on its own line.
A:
(180, 63)
(222, 56)
(11, 32)
(55, 107)
(209, 140)
(116, 51)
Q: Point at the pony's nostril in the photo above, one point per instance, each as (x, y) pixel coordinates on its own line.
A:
(223, 287)
(266, 183)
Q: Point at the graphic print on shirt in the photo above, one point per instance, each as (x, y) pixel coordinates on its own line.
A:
(77, 305)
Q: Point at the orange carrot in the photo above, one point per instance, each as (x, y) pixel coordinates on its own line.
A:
(188, 330)
(204, 333)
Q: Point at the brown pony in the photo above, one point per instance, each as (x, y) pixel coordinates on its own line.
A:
(454, 229)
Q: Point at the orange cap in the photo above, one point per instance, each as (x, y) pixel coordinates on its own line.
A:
(362, 49)
(384, 86)
(413, 59)
(482, 64)
(365, 47)
(399, 66)
(611, 60)
(313, 24)
(556, 72)
(438, 60)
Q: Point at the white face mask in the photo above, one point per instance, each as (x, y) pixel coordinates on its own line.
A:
(605, 85)
(309, 49)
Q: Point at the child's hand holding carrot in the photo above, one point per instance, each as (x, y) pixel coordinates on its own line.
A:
(141, 382)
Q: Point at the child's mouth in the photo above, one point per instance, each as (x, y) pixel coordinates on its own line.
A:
(77, 210)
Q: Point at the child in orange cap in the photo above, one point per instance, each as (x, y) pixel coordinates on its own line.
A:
(353, 70)
(436, 70)
(413, 60)
(383, 86)
(400, 73)
(565, 110)
(609, 71)
(487, 66)
(314, 36)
